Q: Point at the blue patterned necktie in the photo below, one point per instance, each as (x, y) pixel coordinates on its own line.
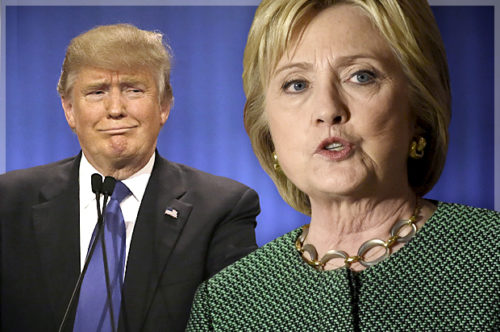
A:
(93, 311)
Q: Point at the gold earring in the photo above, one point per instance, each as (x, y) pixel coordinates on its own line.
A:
(417, 148)
(276, 163)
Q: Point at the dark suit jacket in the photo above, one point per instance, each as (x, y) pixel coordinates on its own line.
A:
(168, 258)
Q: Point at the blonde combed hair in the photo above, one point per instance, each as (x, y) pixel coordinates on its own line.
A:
(118, 47)
(410, 29)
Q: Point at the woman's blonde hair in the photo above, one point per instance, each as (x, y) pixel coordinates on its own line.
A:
(118, 47)
(410, 29)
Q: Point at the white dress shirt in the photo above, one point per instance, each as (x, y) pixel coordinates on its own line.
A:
(130, 206)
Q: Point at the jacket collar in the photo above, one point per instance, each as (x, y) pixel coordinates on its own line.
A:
(160, 221)
(55, 224)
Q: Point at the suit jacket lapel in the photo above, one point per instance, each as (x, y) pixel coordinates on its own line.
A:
(56, 227)
(155, 235)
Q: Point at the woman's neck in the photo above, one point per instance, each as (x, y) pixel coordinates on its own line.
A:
(346, 224)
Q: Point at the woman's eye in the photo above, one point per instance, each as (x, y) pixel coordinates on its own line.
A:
(363, 77)
(295, 86)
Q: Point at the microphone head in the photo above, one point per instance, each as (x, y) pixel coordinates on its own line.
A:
(109, 185)
(96, 181)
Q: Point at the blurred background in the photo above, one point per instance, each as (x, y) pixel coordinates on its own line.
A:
(205, 128)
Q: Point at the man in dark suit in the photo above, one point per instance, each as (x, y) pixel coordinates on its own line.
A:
(182, 225)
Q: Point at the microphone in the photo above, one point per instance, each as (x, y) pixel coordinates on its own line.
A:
(109, 185)
(98, 187)
(96, 181)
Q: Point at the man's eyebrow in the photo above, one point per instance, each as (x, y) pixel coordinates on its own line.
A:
(132, 81)
(95, 85)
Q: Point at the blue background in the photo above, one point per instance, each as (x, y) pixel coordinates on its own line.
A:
(205, 128)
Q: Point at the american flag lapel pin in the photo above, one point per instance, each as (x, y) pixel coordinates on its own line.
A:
(171, 212)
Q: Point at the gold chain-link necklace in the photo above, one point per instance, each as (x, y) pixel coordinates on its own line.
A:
(363, 249)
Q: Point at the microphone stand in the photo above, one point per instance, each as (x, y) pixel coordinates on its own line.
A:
(108, 187)
(97, 188)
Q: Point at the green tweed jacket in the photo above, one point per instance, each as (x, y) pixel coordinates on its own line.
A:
(447, 278)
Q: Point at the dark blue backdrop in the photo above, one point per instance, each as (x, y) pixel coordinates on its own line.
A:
(205, 128)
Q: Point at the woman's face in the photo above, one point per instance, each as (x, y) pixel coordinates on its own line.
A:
(338, 110)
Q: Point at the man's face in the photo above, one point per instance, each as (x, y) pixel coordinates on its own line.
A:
(117, 116)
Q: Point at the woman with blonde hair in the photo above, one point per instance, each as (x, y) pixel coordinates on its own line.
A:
(348, 106)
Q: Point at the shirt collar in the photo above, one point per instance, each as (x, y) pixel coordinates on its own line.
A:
(136, 183)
